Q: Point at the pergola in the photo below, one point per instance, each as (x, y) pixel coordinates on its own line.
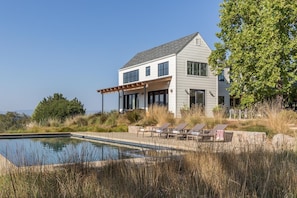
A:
(131, 86)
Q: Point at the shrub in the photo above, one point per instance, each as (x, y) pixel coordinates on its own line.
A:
(119, 129)
(112, 119)
(57, 107)
(135, 116)
(13, 121)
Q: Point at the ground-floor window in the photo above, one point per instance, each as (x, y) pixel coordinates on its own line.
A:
(197, 97)
(131, 101)
(221, 100)
(159, 97)
(234, 102)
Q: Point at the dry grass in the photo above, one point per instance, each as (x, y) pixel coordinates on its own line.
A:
(80, 120)
(199, 174)
(158, 115)
(194, 116)
(265, 117)
(98, 122)
(277, 119)
(220, 115)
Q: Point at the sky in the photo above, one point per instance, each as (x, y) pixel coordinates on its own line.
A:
(75, 47)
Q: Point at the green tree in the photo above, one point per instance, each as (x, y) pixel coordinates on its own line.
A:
(13, 121)
(259, 44)
(57, 107)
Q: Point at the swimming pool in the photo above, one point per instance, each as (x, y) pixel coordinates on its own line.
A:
(61, 150)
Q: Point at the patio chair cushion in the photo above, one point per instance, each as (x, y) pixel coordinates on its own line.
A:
(176, 132)
(194, 133)
(159, 130)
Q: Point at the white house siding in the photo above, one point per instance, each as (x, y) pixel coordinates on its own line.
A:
(153, 75)
(209, 83)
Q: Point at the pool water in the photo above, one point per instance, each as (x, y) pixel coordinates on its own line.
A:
(45, 151)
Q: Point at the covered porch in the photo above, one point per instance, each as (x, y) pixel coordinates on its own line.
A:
(138, 95)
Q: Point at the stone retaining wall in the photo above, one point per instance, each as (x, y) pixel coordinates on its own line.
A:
(251, 138)
(133, 129)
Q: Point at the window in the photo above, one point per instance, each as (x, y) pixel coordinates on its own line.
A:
(221, 100)
(163, 69)
(196, 68)
(234, 102)
(158, 97)
(131, 76)
(221, 76)
(197, 97)
(198, 41)
(131, 101)
(148, 71)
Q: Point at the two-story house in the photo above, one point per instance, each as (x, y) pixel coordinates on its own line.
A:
(175, 74)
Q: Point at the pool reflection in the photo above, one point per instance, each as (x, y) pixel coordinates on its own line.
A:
(44, 151)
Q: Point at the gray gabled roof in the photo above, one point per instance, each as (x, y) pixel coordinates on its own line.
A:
(166, 49)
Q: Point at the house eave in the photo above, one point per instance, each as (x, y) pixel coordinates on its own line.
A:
(133, 86)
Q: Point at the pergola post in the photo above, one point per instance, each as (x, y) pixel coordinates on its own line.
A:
(144, 97)
(119, 102)
(102, 103)
(123, 100)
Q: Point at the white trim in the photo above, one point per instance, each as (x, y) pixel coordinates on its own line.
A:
(147, 62)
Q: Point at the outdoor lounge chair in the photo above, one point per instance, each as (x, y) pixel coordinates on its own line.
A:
(178, 130)
(195, 131)
(161, 130)
(145, 129)
(217, 131)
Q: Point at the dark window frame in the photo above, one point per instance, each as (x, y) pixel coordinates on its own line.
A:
(197, 68)
(131, 76)
(163, 69)
(221, 100)
(148, 71)
(193, 97)
(131, 101)
(159, 97)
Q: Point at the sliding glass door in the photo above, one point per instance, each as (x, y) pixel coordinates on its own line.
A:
(197, 98)
(159, 97)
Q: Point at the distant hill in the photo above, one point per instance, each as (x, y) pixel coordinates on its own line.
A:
(30, 112)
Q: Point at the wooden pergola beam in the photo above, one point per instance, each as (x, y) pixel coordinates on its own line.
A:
(131, 86)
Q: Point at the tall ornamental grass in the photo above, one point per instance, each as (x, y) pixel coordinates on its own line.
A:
(196, 174)
(275, 118)
(157, 115)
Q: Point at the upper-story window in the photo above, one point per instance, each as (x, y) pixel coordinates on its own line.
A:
(163, 69)
(196, 68)
(221, 76)
(131, 76)
(148, 71)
